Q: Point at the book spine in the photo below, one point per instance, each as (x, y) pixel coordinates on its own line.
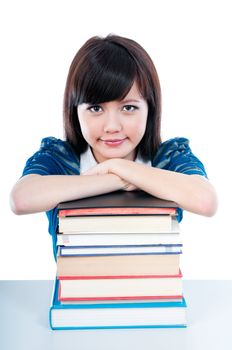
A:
(121, 327)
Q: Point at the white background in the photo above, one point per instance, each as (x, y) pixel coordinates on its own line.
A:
(190, 43)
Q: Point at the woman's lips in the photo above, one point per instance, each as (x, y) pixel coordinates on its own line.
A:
(113, 142)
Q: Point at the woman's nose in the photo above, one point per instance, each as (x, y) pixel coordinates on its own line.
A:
(112, 123)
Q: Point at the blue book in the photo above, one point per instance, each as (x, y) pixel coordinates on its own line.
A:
(120, 250)
(116, 314)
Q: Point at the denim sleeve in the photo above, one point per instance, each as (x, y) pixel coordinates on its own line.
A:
(55, 157)
(176, 155)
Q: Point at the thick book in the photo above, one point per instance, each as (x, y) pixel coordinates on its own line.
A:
(118, 265)
(108, 239)
(116, 224)
(119, 250)
(119, 314)
(123, 288)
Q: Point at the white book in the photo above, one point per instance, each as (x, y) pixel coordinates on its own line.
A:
(120, 288)
(107, 239)
(116, 224)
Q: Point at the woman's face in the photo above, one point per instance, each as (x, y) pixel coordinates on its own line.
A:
(114, 129)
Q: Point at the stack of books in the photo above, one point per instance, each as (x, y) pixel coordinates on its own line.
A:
(118, 264)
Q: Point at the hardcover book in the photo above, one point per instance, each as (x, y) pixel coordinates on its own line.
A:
(120, 288)
(106, 239)
(119, 250)
(118, 265)
(133, 200)
(116, 224)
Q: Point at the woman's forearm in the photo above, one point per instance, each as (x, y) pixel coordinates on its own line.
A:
(191, 192)
(36, 193)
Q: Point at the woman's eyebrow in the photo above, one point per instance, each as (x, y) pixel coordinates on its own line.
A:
(130, 100)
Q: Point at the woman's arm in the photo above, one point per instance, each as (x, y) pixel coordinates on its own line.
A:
(191, 192)
(35, 193)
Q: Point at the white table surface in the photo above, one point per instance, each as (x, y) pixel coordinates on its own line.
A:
(24, 322)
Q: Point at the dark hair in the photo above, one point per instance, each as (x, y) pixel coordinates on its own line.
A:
(103, 70)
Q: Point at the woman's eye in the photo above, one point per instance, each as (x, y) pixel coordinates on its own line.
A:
(95, 109)
(130, 108)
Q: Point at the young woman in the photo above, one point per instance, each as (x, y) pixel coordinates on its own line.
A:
(112, 116)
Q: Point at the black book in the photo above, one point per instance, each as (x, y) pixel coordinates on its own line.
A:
(118, 199)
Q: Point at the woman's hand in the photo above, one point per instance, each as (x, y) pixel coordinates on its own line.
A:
(110, 167)
(103, 168)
